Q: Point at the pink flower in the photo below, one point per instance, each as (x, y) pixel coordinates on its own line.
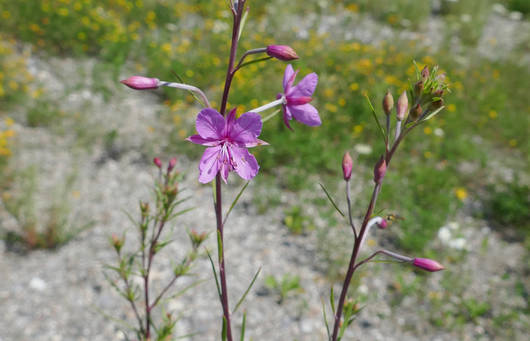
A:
(427, 264)
(281, 52)
(347, 166)
(297, 98)
(141, 83)
(228, 140)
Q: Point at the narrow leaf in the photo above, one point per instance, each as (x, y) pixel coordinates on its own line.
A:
(235, 201)
(247, 291)
(215, 275)
(188, 91)
(432, 114)
(243, 324)
(376, 119)
(325, 319)
(331, 199)
(223, 333)
(332, 300)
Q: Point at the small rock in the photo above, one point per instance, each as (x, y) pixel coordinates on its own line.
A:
(37, 284)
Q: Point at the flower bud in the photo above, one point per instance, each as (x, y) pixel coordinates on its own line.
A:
(418, 88)
(388, 103)
(144, 208)
(117, 243)
(379, 170)
(171, 164)
(281, 52)
(427, 264)
(436, 104)
(425, 73)
(141, 83)
(157, 162)
(383, 224)
(347, 166)
(197, 238)
(416, 112)
(402, 106)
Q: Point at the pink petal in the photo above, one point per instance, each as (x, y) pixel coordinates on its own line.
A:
(209, 164)
(230, 120)
(246, 128)
(287, 116)
(288, 78)
(197, 139)
(210, 124)
(306, 114)
(305, 87)
(245, 164)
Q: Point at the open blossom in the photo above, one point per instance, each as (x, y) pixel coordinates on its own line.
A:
(297, 98)
(227, 141)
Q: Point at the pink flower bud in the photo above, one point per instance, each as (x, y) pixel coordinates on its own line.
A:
(388, 103)
(383, 224)
(171, 164)
(281, 52)
(402, 106)
(380, 170)
(157, 162)
(141, 83)
(347, 165)
(427, 264)
(425, 73)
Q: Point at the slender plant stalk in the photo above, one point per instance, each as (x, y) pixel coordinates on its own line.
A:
(238, 14)
(358, 241)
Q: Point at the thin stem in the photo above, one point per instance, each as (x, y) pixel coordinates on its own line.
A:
(398, 130)
(270, 116)
(371, 222)
(189, 88)
(248, 53)
(397, 256)
(269, 105)
(348, 199)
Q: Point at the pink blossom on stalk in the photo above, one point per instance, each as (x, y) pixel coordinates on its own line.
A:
(157, 162)
(172, 164)
(427, 264)
(227, 140)
(347, 166)
(383, 224)
(297, 98)
(402, 106)
(281, 52)
(141, 83)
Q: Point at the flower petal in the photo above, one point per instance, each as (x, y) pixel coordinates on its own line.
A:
(287, 116)
(306, 114)
(288, 78)
(305, 87)
(210, 124)
(209, 164)
(245, 164)
(197, 139)
(246, 128)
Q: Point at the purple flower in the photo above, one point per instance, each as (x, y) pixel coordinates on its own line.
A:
(281, 52)
(427, 264)
(297, 98)
(141, 83)
(228, 140)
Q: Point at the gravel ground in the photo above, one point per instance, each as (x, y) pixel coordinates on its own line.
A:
(61, 294)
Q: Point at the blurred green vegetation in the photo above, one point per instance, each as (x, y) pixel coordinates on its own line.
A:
(485, 112)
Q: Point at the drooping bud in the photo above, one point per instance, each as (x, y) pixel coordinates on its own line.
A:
(427, 264)
(281, 52)
(383, 224)
(418, 88)
(347, 166)
(402, 106)
(144, 208)
(197, 238)
(157, 162)
(425, 73)
(117, 243)
(379, 170)
(416, 112)
(171, 164)
(141, 83)
(388, 103)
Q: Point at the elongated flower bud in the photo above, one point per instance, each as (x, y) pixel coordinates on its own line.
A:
(415, 112)
(157, 162)
(425, 73)
(380, 170)
(141, 83)
(402, 106)
(388, 103)
(347, 166)
(171, 164)
(427, 264)
(281, 52)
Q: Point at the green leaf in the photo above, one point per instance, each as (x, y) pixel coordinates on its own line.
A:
(432, 114)
(246, 292)
(325, 320)
(332, 300)
(235, 201)
(243, 324)
(376, 119)
(331, 200)
(219, 246)
(215, 275)
(223, 333)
